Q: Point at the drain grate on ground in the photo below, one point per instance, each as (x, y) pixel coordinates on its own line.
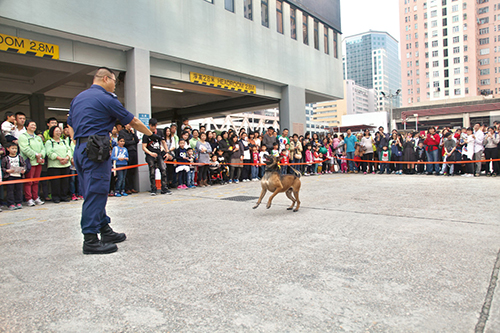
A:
(240, 198)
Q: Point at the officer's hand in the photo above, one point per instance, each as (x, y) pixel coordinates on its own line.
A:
(155, 137)
(155, 155)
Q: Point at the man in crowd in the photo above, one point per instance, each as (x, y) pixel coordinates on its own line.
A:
(381, 141)
(151, 145)
(20, 129)
(283, 139)
(350, 147)
(269, 139)
(478, 147)
(131, 141)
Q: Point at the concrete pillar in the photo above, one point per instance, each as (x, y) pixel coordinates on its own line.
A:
(466, 117)
(138, 100)
(37, 110)
(293, 110)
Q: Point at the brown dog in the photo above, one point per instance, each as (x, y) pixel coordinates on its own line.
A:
(276, 183)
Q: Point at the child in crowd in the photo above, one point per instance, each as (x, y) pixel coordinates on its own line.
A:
(223, 166)
(190, 173)
(9, 126)
(421, 157)
(275, 151)
(214, 168)
(182, 169)
(468, 153)
(119, 155)
(285, 159)
(317, 159)
(262, 157)
(449, 153)
(13, 168)
(385, 157)
(343, 163)
(255, 161)
(309, 160)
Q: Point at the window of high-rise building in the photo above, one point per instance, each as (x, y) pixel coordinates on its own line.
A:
(484, 41)
(325, 40)
(484, 31)
(456, 28)
(293, 22)
(247, 9)
(434, 13)
(485, 61)
(229, 5)
(335, 48)
(435, 53)
(457, 92)
(485, 71)
(483, 10)
(456, 39)
(305, 28)
(456, 81)
(456, 70)
(455, 18)
(456, 60)
(279, 16)
(435, 73)
(456, 49)
(435, 63)
(264, 11)
(454, 8)
(435, 43)
(316, 34)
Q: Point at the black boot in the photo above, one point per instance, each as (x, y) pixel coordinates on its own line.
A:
(92, 245)
(109, 236)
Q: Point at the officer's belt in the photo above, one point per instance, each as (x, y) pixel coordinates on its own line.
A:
(83, 140)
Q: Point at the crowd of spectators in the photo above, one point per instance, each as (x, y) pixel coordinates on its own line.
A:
(201, 158)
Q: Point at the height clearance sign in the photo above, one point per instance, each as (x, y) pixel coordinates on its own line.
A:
(29, 47)
(219, 82)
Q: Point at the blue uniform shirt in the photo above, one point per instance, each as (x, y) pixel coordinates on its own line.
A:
(95, 111)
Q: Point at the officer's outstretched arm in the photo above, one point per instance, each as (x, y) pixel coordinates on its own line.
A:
(138, 125)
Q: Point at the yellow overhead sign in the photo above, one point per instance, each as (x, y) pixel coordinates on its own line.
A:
(218, 82)
(28, 46)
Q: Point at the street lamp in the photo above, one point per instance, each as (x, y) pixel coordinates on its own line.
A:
(390, 96)
(416, 121)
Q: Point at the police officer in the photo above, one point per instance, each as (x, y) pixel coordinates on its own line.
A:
(94, 112)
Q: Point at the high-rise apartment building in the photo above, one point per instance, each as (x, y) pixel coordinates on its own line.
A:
(371, 60)
(449, 49)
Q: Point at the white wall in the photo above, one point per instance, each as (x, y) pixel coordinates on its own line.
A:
(373, 119)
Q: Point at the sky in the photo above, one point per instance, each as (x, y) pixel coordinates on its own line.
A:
(362, 15)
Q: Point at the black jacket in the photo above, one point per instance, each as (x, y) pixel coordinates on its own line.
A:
(131, 140)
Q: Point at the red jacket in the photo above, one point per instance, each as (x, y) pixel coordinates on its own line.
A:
(432, 142)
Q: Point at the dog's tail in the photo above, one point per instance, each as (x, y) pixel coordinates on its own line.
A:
(298, 174)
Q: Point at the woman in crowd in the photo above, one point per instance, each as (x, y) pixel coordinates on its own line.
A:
(396, 152)
(59, 160)
(367, 143)
(236, 158)
(491, 140)
(409, 154)
(203, 150)
(32, 149)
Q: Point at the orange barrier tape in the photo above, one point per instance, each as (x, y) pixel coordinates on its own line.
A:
(415, 162)
(39, 179)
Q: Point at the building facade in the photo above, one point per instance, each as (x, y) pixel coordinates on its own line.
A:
(174, 59)
(450, 49)
(357, 100)
(371, 60)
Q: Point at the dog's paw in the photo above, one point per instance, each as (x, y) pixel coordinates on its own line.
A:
(289, 208)
(268, 206)
(295, 210)
(254, 207)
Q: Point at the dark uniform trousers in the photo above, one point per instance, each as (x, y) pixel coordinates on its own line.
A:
(94, 179)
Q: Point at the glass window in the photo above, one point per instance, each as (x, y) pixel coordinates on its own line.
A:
(305, 18)
(264, 9)
(229, 5)
(316, 35)
(293, 22)
(279, 15)
(247, 9)
(327, 45)
(335, 48)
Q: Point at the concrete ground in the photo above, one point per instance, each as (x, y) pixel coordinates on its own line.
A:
(375, 253)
